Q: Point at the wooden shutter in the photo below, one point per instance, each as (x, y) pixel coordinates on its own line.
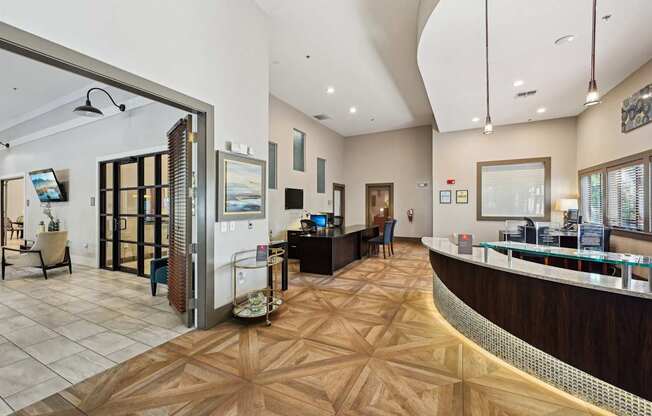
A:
(179, 255)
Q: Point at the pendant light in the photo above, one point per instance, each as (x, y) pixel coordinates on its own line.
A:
(488, 125)
(88, 110)
(593, 96)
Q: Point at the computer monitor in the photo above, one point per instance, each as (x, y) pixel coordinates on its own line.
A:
(320, 219)
(572, 216)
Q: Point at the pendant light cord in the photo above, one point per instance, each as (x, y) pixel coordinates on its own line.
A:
(486, 47)
(593, 42)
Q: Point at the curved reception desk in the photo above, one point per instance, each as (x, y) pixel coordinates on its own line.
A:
(587, 334)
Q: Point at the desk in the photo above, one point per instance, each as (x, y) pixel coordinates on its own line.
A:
(330, 249)
(576, 330)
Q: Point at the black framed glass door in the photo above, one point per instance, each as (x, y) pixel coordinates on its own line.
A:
(134, 210)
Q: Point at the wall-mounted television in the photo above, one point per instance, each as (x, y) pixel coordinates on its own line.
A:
(47, 186)
(293, 198)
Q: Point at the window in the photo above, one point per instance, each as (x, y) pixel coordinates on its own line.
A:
(321, 176)
(626, 197)
(591, 198)
(298, 150)
(272, 174)
(513, 189)
(617, 194)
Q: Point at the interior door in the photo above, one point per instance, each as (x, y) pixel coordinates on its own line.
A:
(379, 203)
(181, 288)
(339, 201)
(126, 227)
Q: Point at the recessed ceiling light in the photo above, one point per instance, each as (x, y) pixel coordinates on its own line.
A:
(475, 119)
(541, 110)
(565, 39)
(330, 90)
(518, 82)
(353, 110)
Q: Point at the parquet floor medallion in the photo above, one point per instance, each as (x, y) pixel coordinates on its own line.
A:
(366, 342)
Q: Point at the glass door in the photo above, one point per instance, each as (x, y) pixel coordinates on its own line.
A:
(134, 212)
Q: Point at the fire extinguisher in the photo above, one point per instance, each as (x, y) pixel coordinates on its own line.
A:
(410, 214)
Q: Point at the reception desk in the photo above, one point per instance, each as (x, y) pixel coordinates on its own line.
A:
(585, 333)
(330, 249)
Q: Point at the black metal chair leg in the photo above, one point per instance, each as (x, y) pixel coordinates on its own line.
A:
(384, 256)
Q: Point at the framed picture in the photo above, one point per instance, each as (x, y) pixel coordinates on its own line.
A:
(637, 110)
(462, 196)
(241, 184)
(445, 197)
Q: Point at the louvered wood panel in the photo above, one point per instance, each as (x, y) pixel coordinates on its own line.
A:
(180, 165)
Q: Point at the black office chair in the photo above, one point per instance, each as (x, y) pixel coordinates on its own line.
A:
(308, 226)
(385, 239)
(338, 221)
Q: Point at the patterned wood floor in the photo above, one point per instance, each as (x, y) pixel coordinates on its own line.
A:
(368, 342)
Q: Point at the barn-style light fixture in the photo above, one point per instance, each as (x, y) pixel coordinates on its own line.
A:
(88, 110)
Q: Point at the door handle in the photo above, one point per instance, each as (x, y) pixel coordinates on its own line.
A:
(125, 224)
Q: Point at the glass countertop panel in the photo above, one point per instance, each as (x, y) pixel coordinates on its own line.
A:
(571, 253)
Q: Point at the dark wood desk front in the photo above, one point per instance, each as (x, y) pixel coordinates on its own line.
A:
(330, 249)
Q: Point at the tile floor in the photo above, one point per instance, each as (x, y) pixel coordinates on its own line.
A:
(60, 331)
(368, 342)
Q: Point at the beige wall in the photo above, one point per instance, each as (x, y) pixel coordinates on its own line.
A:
(455, 156)
(402, 157)
(599, 138)
(321, 142)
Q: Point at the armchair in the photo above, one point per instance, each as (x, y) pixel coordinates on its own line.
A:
(158, 273)
(49, 252)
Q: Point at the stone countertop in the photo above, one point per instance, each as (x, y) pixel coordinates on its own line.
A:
(498, 261)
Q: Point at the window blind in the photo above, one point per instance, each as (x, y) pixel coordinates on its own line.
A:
(592, 198)
(626, 197)
(514, 190)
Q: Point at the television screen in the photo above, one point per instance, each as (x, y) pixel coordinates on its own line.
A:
(47, 186)
(293, 198)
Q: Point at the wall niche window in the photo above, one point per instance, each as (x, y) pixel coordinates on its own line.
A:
(272, 166)
(321, 176)
(513, 189)
(298, 150)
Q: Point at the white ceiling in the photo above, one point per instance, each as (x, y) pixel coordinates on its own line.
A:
(521, 46)
(42, 103)
(36, 85)
(365, 49)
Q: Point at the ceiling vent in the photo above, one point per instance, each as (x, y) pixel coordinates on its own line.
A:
(526, 94)
(322, 117)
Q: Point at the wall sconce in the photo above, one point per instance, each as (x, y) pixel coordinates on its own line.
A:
(88, 110)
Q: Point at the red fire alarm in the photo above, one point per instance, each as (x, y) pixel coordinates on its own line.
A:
(450, 181)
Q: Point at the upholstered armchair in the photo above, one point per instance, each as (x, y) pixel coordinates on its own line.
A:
(158, 273)
(49, 252)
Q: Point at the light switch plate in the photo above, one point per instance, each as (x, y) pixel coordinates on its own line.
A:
(223, 226)
(232, 226)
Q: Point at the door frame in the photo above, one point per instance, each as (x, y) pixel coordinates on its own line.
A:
(342, 189)
(368, 220)
(31, 46)
(7, 178)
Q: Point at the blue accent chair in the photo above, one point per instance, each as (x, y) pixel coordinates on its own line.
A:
(385, 239)
(158, 273)
(391, 239)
